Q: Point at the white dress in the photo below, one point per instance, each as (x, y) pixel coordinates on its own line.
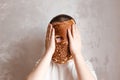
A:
(65, 71)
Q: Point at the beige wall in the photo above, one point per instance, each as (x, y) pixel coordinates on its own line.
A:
(23, 26)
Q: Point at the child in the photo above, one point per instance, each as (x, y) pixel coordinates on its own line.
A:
(75, 69)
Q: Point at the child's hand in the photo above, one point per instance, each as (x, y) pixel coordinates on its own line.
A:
(74, 40)
(50, 39)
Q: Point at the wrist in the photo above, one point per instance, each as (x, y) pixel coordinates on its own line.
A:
(49, 53)
(47, 57)
(77, 55)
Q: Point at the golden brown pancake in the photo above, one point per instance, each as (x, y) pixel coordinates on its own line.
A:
(62, 53)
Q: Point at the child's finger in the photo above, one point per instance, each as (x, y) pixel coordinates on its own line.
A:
(53, 33)
(76, 34)
(50, 32)
(69, 35)
(73, 30)
(48, 35)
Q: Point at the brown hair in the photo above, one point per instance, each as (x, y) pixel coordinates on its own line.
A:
(61, 18)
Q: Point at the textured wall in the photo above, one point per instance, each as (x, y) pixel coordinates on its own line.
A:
(23, 26)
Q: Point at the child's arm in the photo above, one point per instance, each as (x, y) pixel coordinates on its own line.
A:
(83, 71)
(40, 70)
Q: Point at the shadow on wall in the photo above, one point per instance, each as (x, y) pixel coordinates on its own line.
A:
(18, 59)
